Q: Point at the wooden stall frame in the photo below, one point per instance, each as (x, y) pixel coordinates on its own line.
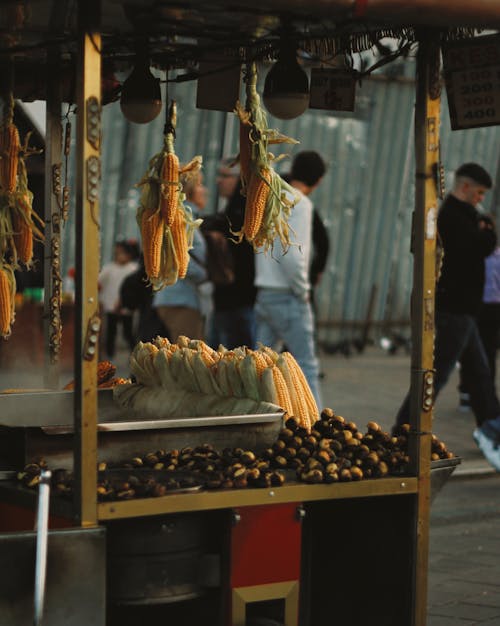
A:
(87, 320)
(86, 511)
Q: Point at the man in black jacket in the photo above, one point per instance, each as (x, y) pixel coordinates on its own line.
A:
(467, 241)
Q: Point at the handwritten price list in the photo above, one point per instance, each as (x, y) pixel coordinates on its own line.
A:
(477, 97)
(472, 71)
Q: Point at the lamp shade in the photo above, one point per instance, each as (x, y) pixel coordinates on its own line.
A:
(286, 88)
(140, 101)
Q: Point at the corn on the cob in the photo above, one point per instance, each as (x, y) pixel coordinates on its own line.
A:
(312, 407)
(295, 387)
(161, 342)
(169, 187)
(270, 354)
(248, 375)
(267, 387)
(152, 232)
(282, 395)
(10, 146)
(204, 376)
(257, 193)
(7, 298)
(180, 241)
(22, 229)
(268, 206)
(162, 366)
(261, 362)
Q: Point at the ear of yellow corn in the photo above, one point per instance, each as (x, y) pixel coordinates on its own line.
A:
(268, 205)
(257, 193)
(312, 407)
(167, 225)
(10, 146)
(180, 241)
(169, 187)
(23, 238)
(295, 387)
(7, 299)
(261, 362)
(282, 395)
(152, 232)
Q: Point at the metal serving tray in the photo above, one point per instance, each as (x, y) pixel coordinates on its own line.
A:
(52, 412)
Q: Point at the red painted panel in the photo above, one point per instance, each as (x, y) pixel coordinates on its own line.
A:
(16, 518)
(265, 545)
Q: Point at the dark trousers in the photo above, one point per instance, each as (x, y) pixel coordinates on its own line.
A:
(234, 328)
(488, 323)
(112, 321)
(458, 335)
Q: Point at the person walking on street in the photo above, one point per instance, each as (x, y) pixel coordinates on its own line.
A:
(234, 319)
(111, 277)
(467, 240)
(283, 305)
(488, 322)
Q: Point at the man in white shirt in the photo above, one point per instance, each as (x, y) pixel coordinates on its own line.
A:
(283, 309)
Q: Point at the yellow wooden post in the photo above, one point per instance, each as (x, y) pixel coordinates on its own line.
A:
(87, 259)
(427, 120)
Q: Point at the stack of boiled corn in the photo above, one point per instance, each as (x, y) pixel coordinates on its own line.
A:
(188, 378)
(167, 225)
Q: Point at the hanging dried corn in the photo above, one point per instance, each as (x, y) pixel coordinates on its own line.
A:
(24, 228)
(9, 157)
(10, 146)
(167, 225)
(269, 199)
(17, 218)
(7, 299)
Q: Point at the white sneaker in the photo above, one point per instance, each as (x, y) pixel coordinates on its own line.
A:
(489, 447)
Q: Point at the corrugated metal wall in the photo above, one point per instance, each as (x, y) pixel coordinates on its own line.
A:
(366, 198)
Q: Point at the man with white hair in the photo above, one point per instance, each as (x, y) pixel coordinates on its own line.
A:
(467, 240)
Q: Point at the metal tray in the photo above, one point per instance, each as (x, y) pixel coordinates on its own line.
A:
(45, 410)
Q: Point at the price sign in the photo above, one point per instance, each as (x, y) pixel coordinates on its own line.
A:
(472, 75)
(332, 89)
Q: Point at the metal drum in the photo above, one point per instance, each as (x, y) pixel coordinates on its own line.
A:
(156, 560)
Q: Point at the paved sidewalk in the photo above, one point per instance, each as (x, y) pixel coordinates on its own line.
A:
(372, 385)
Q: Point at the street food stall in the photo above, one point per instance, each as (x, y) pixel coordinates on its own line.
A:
(297, 520)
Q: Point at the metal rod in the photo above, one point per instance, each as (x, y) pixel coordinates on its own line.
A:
(42, 522)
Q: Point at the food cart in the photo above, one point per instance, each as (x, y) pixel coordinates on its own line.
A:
(346, 553)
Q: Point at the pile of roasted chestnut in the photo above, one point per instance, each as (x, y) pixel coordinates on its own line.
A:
(335, 450)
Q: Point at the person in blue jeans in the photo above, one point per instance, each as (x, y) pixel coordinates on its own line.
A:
(283, 305)
(467, 240)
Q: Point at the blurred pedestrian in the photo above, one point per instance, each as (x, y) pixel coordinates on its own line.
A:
(467, 240)
(234, 319)
(124, 262)
(488, 321)
(283, 305)
(136, 294)
(179, 306)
